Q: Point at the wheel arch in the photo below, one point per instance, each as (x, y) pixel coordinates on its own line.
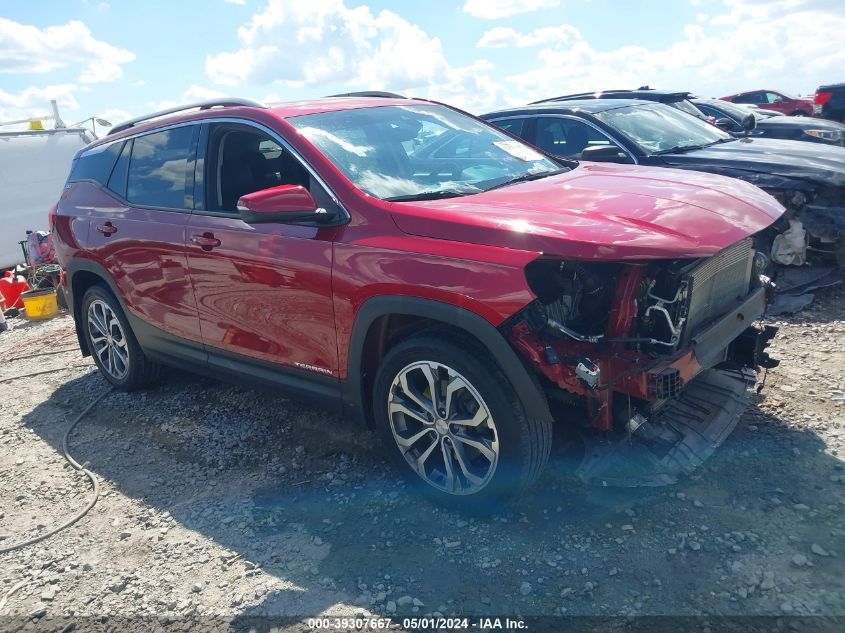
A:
(81, 275)
(367, 345)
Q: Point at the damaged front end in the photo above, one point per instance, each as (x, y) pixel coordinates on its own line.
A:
(813, 228)
(658, 355)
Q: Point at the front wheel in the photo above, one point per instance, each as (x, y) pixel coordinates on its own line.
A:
(112, 342)
(454, 424)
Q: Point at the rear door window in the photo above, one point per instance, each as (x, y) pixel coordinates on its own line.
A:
(159, 169)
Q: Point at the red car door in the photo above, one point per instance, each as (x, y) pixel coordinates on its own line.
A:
(264, 290)
(137, 229)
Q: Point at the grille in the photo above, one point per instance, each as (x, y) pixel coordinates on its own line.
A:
(717, 283)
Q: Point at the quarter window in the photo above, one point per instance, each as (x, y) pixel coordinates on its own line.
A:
(117, 180)
(158, 169)
(95, 164)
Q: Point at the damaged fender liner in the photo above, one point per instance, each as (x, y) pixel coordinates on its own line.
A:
(678, 439)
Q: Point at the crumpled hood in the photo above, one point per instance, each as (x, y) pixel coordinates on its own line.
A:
(816, 162)
(601, 211)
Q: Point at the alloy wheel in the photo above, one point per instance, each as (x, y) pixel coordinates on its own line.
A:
(108, 339)
(443, 428)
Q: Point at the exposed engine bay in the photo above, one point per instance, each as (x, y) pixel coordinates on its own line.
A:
(641, 331)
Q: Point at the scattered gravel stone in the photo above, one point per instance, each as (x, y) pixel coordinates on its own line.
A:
(818, 550)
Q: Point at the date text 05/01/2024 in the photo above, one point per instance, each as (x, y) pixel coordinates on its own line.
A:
(423, 623)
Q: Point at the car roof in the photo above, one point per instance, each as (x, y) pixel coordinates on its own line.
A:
(647, 94)
(240, 107)
(291, 109)
(590, 106)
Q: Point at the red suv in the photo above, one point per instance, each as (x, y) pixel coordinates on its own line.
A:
(425, 272)
(772, 100)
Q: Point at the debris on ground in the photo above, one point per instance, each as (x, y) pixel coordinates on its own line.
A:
(220, 500)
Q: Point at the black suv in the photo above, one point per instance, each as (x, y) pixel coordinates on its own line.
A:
(829, 102)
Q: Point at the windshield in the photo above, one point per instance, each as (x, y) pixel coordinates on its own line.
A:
(736, 112)
(415, 151)
(656, 127)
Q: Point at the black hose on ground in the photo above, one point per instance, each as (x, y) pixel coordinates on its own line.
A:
(77, 466)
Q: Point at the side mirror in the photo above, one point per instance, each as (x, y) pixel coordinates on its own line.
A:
(724, 124)
(749, 122)
(284, 203)
(605, 154)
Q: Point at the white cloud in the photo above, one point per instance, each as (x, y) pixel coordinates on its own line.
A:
(237, 2)
(190, 95)
(28, 49)
(324, 42)
(495, 9)
(35, 101)
(786, 44)
(503, 36)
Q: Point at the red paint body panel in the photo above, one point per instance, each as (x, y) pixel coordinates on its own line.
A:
(144, 250)
(265, 291)
(602, 211)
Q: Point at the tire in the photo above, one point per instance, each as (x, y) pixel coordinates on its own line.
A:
(799, 113)
(112, 343)
(515, 447)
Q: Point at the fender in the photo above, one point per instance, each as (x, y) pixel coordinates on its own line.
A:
(75, 266)
(355, 400)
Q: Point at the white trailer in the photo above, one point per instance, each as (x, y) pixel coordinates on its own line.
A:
(34, 165)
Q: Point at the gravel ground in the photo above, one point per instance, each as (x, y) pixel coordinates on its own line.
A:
(218, 500)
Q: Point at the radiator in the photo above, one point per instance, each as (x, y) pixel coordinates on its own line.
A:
(716, 284)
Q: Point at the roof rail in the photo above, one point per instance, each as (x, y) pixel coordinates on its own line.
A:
(202, 105)
(369, 93)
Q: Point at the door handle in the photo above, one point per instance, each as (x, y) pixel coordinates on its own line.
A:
(107, 229)
(206, 241)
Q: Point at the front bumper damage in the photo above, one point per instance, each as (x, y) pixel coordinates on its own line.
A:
(676, 440)
(659, 417)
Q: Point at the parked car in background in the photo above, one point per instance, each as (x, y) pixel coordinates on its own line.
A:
(680, 100)
(829, 102)
(809, 179)
(427, 273)
(774, 100)
(734, 119)
(33, 169)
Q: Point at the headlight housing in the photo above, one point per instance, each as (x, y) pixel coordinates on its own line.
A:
(827, 135)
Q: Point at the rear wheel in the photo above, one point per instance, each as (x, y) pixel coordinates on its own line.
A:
(112, 344)
(454, 424)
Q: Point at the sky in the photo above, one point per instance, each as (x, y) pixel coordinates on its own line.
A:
(117, 59)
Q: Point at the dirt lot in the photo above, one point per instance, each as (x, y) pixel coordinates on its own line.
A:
(221, 500)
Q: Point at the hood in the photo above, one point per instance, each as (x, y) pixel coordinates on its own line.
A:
(601, 211)
(801, 122)
(815, 162)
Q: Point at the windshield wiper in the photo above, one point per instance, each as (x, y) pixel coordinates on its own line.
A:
(680, 148)
(430, 195)
(528, 178)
